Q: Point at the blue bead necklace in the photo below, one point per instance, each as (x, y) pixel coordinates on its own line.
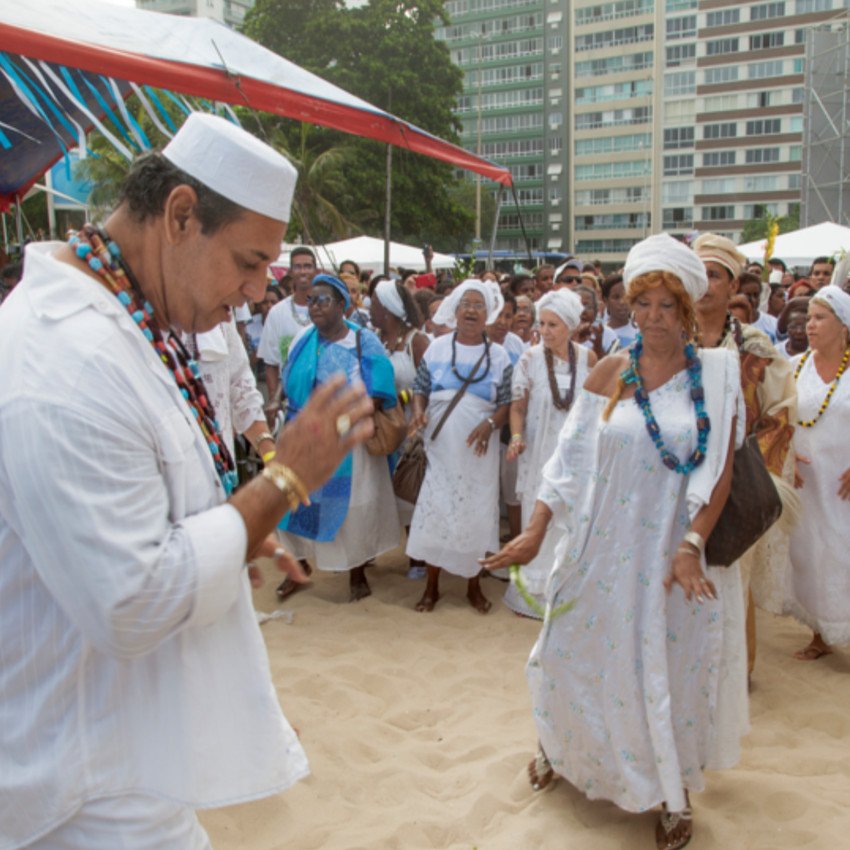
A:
(694, 367)
(103, 257)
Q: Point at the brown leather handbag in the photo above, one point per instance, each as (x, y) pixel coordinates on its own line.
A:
(751, 509)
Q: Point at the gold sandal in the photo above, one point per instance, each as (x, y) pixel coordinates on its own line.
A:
(669, 823)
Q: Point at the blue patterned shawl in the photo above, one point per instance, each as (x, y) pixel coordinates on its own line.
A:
(312, 360)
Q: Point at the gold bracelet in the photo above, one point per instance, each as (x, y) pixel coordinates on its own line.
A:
(695, 539)
(265, 435)
(284, 487)
(286, 480)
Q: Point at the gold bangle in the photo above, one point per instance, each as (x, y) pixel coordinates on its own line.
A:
(269, 456)
(286, 490)
(285, 479)
(265, 435)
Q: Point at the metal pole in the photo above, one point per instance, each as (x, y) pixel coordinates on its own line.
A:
(478, 148)
(388, 210)
(495, 226)
(19, 222)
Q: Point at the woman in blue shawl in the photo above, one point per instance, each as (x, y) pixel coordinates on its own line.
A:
(352, 519)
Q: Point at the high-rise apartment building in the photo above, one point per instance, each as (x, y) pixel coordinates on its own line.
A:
(679, 115)
(513, 106)
(230, 12)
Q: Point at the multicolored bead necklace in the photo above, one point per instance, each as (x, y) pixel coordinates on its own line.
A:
(103, 257)
(632, 376)
(807, 423)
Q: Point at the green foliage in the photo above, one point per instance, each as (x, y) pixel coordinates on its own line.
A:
(756, 228)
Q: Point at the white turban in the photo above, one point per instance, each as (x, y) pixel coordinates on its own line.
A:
(565, 304)
(489, 291)
(387, 293)
(663, 253)
(837, 300)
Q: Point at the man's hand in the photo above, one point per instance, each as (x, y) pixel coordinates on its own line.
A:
(270, 548)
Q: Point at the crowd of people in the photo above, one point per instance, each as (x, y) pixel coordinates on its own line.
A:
(601, 417)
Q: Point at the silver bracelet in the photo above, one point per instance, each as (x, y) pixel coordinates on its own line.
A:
(696, 540)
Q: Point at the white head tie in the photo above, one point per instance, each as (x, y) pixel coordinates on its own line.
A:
(489, 290)
(663, 253)
(837, 300)
(232, 162)
(387, 293)
(565, 304)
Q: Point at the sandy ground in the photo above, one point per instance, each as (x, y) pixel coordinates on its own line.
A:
(418, 730)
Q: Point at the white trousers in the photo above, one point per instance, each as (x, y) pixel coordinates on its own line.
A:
(128, 822)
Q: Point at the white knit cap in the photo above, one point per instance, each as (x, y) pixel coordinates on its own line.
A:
(489, 290)
(232, 162)
(663, 253)
(837, 300)
(565, 304)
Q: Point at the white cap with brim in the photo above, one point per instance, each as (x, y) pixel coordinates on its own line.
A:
(235, 164)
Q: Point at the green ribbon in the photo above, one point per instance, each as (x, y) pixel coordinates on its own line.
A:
(519, 584)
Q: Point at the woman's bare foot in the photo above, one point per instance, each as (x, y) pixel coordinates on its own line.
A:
(432, 591)
(476, 598)
(674, 830)
(358, 586)
(816, 649)
(540, 772)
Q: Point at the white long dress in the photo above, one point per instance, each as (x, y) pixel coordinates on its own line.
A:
(456, 519)
(820, 541)
(625, 687)
(543, 423)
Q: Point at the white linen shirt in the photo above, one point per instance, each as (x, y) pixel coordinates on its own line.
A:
(130, 656)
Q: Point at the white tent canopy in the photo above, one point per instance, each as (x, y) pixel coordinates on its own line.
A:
(800, 247)
(368, 253)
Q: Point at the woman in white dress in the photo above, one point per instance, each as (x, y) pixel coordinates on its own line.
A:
(625, 685)
(820, 579)
(546, 380)
(456, 519)
(352, 519)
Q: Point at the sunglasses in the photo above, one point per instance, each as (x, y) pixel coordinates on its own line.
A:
(569, 279)
(320, 300)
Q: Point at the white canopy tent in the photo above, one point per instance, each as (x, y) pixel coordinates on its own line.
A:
(800, 247)
(368, 253)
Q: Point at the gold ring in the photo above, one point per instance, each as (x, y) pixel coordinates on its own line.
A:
(343, 424)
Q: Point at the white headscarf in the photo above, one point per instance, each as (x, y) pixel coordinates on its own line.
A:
(387, 293)
(565, 304)
(663, 253)
(837, 300)
(489, 291)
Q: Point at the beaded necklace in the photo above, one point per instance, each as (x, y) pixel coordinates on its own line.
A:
(807, 423)
(103, 257)
(302, 322)
(632, 376)
(565, 402)
(470, 379)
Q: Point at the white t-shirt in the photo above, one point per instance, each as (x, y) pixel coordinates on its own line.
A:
(283, 323)
(766, 323)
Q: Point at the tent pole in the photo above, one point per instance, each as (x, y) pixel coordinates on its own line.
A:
(388, 210)
(5, 235)
(19, 223)
(495, 226)
(522, 225)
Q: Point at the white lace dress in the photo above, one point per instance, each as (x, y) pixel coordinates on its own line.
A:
(627, 687)
(819, 594)
(543, 423)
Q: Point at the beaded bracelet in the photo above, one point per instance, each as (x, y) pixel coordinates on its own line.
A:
(516, 438)
(270, 455)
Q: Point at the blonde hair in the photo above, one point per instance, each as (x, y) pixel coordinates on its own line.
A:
(687, 315)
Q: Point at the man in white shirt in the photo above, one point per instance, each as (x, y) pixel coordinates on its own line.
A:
(750, 286)
(134, 684)
(286, 320)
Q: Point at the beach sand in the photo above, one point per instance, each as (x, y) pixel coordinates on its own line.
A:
(418, 729)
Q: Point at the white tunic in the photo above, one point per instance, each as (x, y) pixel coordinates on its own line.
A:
(130, 657)
(820, 541)
(456, 519)
(543, 423)
(625, 687)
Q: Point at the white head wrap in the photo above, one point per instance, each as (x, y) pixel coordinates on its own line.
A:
(232, 162)
(388, 296)
(489, 290)
(565, 304)
(838, 300)
(663, 253)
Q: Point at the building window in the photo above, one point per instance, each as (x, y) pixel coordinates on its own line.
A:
(678, 137)
(723, 18)
(718, 186)
(684, 27)
(766, 40)
(680, 5)
(764, 127)
(759, 155)
(680, 54)
(677, 192)
(761, 183)
(678, 164)
(723, 213)
(760, 70)
(767, 10)
(715, 159)
(804, 7)
(679, 83)
(723, 74)
(719, 46)
(677, 218)
(726, 130)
